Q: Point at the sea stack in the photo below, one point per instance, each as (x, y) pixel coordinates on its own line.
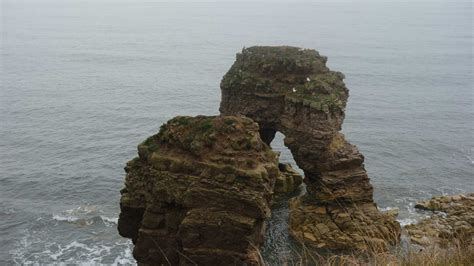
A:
(199, 193)
(292, 91)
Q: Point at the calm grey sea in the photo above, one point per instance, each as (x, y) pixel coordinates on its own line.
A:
(83, 83)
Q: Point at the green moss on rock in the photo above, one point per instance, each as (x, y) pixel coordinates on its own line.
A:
(299, 74)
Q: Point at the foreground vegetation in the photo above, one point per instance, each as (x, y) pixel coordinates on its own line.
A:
(410, 255)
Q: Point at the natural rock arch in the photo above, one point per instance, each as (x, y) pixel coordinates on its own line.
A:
(200, 190)
(291, 90)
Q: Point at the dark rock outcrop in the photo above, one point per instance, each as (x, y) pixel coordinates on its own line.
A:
(451, 224)
(199, 193)
(292, 91)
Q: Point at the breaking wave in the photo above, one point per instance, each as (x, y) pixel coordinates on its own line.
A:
(83, 235)
(75, 252)
(85, 215)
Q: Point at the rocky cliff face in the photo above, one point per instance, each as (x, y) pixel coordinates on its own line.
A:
(199, 193)
(292, 91)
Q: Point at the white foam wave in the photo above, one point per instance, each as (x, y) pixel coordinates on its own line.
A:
(108, 220)
(125, 257)
(407, 221)
(82, 210)
(75, 253)
(384, 209)
(61, 218)
(74, 220)
(44, 243)
(82, 215)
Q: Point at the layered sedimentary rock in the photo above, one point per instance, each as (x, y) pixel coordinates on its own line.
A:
(199, 193)
(451, 224)
(292, 91)
(289, 179)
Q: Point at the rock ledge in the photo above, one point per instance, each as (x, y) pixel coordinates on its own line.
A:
(451, 223)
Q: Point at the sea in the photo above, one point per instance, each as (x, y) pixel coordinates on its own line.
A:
(83, 82)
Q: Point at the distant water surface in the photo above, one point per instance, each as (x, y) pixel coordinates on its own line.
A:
(83, 83)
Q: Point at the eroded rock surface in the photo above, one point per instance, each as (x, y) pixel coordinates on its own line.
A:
(199, 193)
(291, 90)
(452, 222)
(289, 179)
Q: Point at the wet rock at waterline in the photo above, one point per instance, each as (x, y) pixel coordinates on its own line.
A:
(199, 192)
(291, 90)
(451, 223)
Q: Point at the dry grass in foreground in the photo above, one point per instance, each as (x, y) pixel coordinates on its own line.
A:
(412, 256)
(448, 247)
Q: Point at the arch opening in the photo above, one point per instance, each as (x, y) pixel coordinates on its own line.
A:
(278, 242)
